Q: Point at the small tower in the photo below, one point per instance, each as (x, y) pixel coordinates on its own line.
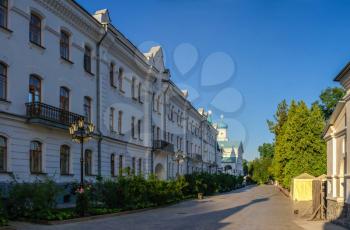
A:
(222, 129)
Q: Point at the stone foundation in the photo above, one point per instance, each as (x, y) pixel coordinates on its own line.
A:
(338, 212)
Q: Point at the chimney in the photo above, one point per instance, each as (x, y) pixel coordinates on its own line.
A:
(102, 16)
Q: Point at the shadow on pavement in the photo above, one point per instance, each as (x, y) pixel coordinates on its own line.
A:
(211, 220)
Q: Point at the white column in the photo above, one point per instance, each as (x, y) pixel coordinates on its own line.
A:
(334, 166)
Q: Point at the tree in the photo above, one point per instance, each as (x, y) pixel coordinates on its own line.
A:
(280, 118)
(300, 148)
(245, 167)
(266, 150)
(329, 99)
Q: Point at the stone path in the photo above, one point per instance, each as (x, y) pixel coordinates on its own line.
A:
(251, 208)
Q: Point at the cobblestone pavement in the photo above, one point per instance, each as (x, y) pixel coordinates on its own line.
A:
(251, 208)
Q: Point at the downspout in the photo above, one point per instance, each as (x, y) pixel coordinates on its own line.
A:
(98, 104)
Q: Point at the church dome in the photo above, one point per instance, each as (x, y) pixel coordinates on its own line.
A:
(221, 124)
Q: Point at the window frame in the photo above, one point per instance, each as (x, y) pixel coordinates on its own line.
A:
(139, 124)
(120, 165)
(35, 29)
(120, 122)
(112, 164)
(133, 127)
(36, 153)
(140, 92)
(33, 88)
(4, 76)
(5, 9)
(64, 99)
(67, 157)
(65, 44)
(112, 75)
(120, 79)
(4, 149)
(88, 59)
(87, 108)
(88, 162)
(111, 119)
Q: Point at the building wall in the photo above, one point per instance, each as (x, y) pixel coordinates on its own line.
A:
(24, 58)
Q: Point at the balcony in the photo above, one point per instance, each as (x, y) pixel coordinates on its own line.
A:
(38, 112)
(163, 145)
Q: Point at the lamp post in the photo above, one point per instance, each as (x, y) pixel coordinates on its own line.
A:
(81, 131)
(178, 157)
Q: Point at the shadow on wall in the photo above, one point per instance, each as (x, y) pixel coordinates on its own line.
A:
(337, 214)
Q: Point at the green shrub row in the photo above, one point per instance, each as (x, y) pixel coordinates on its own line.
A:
(38, 200)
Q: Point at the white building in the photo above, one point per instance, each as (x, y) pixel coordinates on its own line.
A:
(232, 152)
(338, 160)
(59, 63)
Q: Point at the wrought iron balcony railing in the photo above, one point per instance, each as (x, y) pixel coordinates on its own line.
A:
(163, 145)
(41, 111)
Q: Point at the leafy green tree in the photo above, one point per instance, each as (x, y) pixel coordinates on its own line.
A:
(266, 150)
(329, 99)
(300, 148)
(280, 118)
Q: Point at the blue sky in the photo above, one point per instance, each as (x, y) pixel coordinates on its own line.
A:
(242, 57)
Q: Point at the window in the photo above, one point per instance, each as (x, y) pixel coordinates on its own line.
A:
(133, 127)
(154, 102)
(87, 108)
(111, 75)
(87, 59)
(3, 13)
(35, 158)
(64, 98)
(139, 128)
(35, 29)
(158, 104)
(64, 159)
(158, 133)
(139, 167)
(3, 81)
(120, 165)
(112, 164)
(88, 162)
(120, 79)
(111, 119)
(133, 82)
(133, 165)
(34, 89)
(3, 154)
(120, 121)
(140, 92)
(64, 45)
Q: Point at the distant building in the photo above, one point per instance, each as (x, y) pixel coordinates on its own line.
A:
(232, 151)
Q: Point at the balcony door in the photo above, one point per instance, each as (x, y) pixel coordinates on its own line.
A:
(34, 89)
(64, 104)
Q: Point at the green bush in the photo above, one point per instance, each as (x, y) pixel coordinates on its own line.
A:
(34, 200)
(3, 215)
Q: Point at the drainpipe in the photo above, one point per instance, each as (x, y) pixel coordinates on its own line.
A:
(98, 104)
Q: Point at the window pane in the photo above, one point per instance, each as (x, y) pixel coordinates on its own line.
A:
(87, 59)
(34, 89)
(35, 156)
(35, 29)
(64, 45)
(64, 161)
(3, 81)
(3, 152)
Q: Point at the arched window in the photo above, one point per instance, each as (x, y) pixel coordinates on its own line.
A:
(34, 88)
(35, 157)
(111, 75)
(64, 45)
(112, 164)
(87, 59)
(3, 154)
(87, 108)
(88, 162)
(64, 98)
(120, 79)
(35, 29)
(3, 13)
(3, 81)
(64, 159)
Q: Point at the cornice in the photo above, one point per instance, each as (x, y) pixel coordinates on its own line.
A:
(72, 16)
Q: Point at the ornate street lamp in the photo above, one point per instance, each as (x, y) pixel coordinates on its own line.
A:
(81, 132)
(179, 158)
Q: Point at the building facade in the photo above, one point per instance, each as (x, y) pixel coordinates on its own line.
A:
(338, 160)
(232, 151)
(58, 63)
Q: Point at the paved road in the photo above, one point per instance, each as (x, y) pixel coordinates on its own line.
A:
(251, 208)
